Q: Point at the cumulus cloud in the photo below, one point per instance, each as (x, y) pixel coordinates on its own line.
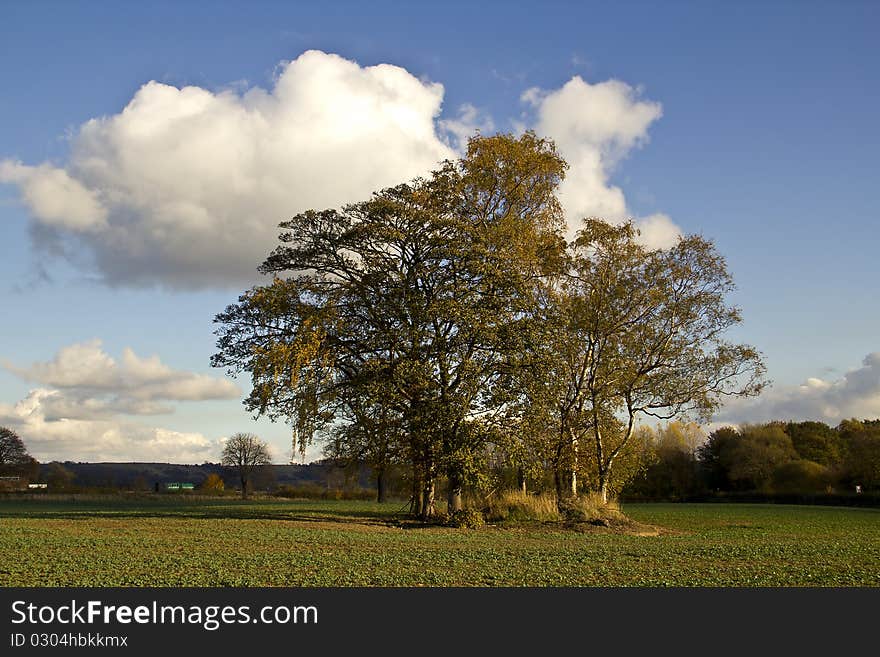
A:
(83, 406)
(469, 121)
(185, 187)
(85, 375)
(70, 438)
(595, 126)
(658, 231)
(55, 198)
(856, 394)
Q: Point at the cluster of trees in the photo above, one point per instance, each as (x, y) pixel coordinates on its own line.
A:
(446, 326)
(678, 462)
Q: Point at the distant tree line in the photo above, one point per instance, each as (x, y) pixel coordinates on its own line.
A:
(675, 461)
(776, 458)
(246, 457)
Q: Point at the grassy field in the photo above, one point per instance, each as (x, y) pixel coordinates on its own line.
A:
(173, 542)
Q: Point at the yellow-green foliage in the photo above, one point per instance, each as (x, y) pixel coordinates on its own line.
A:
(514, 505)
(801, 476)
(467, 519)
(213, 483)
(590, 507)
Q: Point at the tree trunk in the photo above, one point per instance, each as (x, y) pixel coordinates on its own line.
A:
(558, 477)
(521, 480)
(605, 464)
(244, 488)
(428, 498)
(415, 501)
(557, 481)
(603, 483)
(574, 464)
(601, 466)
(428, 472)
(453, 498)
(380, 486)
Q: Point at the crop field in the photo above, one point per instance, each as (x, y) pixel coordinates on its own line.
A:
(176, 542)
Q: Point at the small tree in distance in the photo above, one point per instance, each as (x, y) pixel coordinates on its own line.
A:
(213, 483)
(57, 476)
(245, 452)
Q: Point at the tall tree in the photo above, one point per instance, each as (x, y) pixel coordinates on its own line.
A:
(417, 292)
(245, 452)
(672, 471)
(712, 458)
(861, 465)
(640, 333)
(758, 451)
(816, 441)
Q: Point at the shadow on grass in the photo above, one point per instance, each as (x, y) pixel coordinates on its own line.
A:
(299, 511)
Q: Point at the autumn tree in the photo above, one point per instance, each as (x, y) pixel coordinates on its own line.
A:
(445, 322)
(245, 452)
(57, 476)
(862, 461)
(213, 483)
(712, 457)
(672, 471)
(641, 333)
(415, 296)
(14, 457)
(816, 441)
(758, 451)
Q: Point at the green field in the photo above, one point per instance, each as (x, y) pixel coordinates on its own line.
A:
(173, 542)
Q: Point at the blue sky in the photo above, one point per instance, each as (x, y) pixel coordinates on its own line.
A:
(752, 123)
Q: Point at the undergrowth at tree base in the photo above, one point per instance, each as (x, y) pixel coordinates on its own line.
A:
(585, 513)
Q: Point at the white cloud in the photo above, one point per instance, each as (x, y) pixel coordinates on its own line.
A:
(55, 198)
(89, 377)
(595, 126)
(856, 394)
(81, 409)
(658, 231)
(95, 440)
(470, 120)
(186, 187)
(75, 365)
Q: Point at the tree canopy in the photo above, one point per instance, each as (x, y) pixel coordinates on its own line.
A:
(446, 324)
(14, 457)
(245, 452)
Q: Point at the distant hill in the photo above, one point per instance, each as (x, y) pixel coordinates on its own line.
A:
(146, 475)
